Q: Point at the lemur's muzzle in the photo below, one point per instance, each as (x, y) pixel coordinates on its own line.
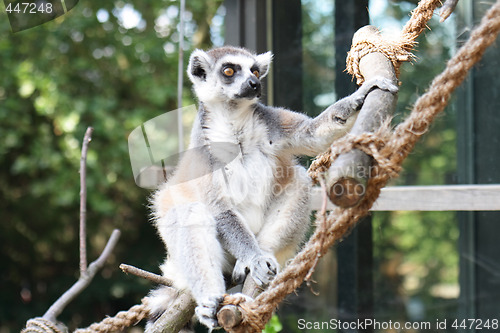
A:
(251, 88)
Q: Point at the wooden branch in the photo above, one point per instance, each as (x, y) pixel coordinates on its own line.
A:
(250, 288)
(447, 9)
(86, 273)
(83, 200)
(178, 313)
(181, 308)
(230, 316)
(347, 177)
(84, 280)
(129, 269)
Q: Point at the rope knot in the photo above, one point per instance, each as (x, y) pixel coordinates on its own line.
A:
(372, 144)
(250, 318)
(368, 40)
(234, 299)
(42, 325)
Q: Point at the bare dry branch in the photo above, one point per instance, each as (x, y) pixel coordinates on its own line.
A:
(129, 269)
(447, 9)
(86, 273)
(229, 316)
(83, 200)
(84, 280)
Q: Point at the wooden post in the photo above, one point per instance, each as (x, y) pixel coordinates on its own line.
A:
(230, 316)
(347, 177)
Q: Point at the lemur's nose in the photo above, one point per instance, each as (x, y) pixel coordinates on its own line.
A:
(254, 83)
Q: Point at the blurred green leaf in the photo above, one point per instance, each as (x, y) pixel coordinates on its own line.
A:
(273, 326)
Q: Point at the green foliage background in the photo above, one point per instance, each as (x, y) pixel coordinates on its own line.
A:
(55, 80)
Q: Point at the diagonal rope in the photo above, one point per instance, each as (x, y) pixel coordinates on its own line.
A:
(120, 321)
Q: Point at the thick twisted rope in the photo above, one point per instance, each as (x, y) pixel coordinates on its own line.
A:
(41, 325)
(396, 50)
(120, 321)
(388, 149)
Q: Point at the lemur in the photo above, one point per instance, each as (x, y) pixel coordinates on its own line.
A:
(238, 204)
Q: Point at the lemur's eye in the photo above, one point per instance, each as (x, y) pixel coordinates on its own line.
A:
(228, 71)
(256, 73)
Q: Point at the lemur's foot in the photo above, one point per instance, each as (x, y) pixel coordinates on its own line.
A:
(206, 311)
(240, 272)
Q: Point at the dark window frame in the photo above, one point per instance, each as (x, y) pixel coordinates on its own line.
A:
(248, 23)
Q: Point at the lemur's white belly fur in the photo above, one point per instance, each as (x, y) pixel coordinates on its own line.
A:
(248, 179)
(249, 187)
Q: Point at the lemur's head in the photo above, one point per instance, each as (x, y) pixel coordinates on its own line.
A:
(227, 73)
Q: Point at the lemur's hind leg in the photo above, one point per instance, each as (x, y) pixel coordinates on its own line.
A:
(196, 256)
(288, 219)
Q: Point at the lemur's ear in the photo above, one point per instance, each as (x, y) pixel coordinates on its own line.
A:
(199, 65)
(264, 61)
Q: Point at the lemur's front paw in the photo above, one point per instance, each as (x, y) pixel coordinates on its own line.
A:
(240, 272)
(376, 82)
(382, 83)
(206, 311)
(263, 269)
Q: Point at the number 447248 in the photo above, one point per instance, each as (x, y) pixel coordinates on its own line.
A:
(29, 8)
(477, 324)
